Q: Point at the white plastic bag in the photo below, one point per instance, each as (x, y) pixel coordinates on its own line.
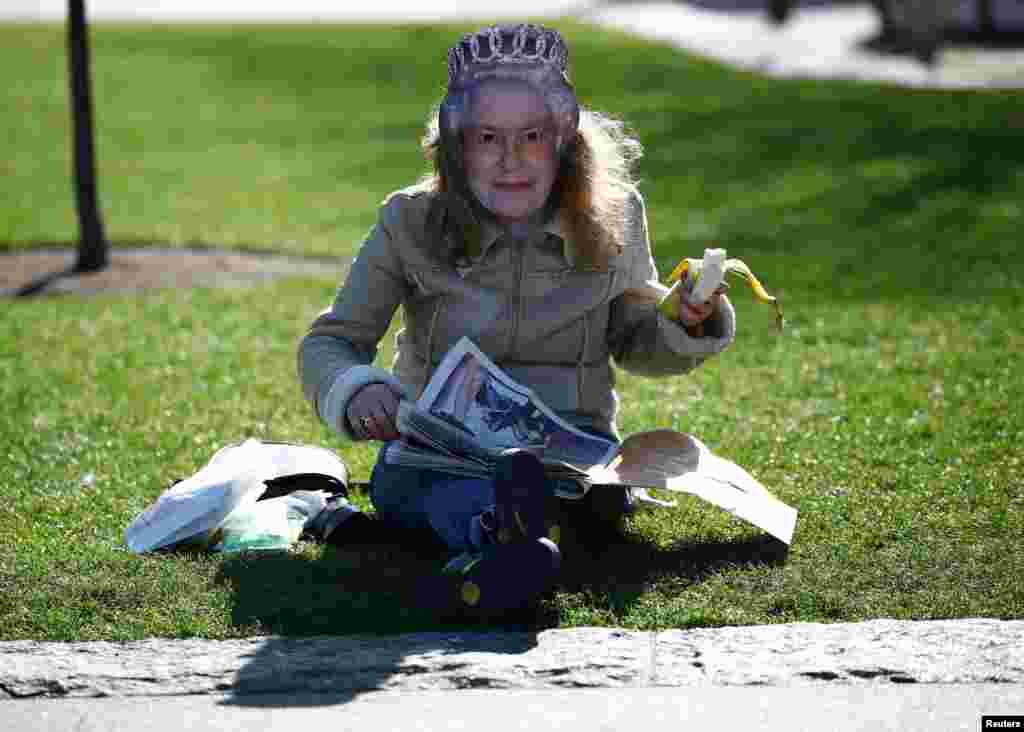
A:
(233, 481)
(190, 509)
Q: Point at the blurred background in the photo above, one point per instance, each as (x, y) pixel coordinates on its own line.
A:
(785, 37)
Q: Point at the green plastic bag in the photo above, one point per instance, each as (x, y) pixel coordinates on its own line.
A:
(271, 525)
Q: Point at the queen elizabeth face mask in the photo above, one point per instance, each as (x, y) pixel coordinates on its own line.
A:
(510, 151)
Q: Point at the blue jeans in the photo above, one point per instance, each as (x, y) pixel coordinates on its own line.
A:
(426, 500)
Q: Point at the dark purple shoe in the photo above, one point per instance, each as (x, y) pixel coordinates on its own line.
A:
(501, 579)
(520, 498)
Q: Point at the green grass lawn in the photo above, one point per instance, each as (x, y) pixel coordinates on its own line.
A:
(889, 413)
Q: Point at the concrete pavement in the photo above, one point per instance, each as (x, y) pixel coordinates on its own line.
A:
(929, 708)
(875, 675)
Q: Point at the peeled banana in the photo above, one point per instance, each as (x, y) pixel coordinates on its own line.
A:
(697, 279)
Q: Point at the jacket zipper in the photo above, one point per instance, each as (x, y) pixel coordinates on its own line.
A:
(518, 301)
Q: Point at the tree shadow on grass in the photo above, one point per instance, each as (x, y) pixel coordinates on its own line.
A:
(362, 595)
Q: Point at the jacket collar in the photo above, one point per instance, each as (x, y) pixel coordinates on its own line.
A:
(556, 225)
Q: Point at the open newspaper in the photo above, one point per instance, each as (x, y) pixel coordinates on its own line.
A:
(471, 411)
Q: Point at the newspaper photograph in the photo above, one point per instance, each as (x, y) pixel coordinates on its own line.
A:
(470, 392)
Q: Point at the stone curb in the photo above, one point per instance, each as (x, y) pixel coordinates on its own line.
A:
(876, 651)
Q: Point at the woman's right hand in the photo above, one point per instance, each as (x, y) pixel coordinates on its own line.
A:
(372, 412)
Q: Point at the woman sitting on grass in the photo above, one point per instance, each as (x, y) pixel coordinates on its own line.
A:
(530, 238)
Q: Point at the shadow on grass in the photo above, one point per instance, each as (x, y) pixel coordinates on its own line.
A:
(365, 592)
(362, 592)
(602, 561)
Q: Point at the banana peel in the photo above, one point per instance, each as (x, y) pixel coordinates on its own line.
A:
(686, 277)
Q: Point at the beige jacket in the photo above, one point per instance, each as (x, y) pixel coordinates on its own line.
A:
(550, 326)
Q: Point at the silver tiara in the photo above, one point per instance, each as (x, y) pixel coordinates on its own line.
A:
(523, 43)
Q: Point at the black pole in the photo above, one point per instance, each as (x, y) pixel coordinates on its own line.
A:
(93, 249)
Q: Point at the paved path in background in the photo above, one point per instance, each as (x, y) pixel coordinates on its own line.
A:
(818, 41)
(293, 10)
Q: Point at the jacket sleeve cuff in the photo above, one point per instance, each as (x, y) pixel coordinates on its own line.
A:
(347, 383)
(682, 343)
